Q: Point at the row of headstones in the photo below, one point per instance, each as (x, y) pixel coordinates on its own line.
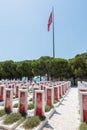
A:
(82, 94)
(15, 86)
(40, 97)
(49, 94)
(56, 89)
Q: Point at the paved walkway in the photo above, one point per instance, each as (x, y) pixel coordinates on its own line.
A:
(67, 115)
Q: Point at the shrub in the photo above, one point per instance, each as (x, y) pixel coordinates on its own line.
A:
(2, 113)
(15, 105)
(83, 126)
(42, 117)
(30, 106)
(47, 108)
(30, 91)
(55, 101)
(30, 99)
(32, 122)
(14, 97)
(13, 117)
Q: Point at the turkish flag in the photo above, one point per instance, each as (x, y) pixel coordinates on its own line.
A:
(49, 21)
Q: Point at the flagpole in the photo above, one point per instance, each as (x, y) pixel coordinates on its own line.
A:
(53, 33)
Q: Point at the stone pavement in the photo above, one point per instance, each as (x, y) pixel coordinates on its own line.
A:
(67, 115)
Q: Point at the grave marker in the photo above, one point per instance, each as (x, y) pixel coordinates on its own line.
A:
(49, 96)
(83, 106)
(39, 102)
(8, 100)
(23, 101)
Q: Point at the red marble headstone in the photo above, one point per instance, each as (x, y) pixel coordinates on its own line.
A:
(22, 102)
(83, 90)
(84, 102)
(7, 103)
(39, 104)
(49, 97)
(17, 90)
(1, 93)
(55, 93)
(35, 88)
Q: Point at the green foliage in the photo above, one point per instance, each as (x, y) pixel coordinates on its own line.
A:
(83, 126)
(78, 67)
(30, 106)
(30, 99)
(14, 97)
(47, 108)
(54, 67)
(8, 69)
(59, 68)
(30, 91)
(24, 69)
(83, 55)
(2, 113)
(55, 101)
(11, 118)
(15, 105)
(42, 117)
(32, 122)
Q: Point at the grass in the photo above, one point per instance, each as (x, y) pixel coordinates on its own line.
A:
(42, 118)
(11, 118)
(83, 126)
(30, 106)
(33, 121)
(15, 105)
(55, 101)
(14, 97)
(47, 108)
(2, 113)
(30, 99)
(30, 91)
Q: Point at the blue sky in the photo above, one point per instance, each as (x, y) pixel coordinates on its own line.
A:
(23, 29)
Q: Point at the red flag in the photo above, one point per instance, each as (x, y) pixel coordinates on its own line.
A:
(49, 21)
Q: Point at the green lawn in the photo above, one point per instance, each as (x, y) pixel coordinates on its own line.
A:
(83, 126)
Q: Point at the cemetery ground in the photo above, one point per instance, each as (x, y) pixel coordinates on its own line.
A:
(64, 115)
